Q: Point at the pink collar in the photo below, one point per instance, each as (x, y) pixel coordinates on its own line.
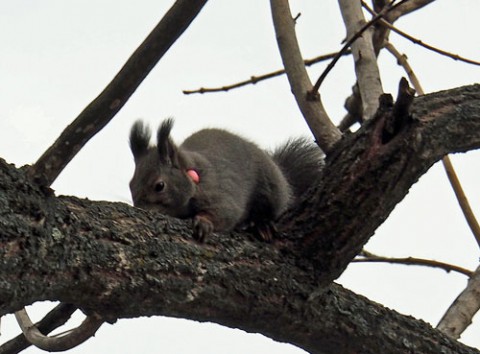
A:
(194, 175)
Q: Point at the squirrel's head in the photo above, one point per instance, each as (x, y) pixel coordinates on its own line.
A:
(161, 180)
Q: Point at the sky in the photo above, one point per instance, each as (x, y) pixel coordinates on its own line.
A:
(58, 55)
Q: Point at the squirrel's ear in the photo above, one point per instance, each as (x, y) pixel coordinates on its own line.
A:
(167, 150)
(140, 135)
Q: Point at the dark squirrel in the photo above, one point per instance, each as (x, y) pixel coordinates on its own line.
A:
(219, 179)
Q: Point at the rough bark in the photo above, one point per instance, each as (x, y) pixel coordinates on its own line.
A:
(122, 262)
(365, 176)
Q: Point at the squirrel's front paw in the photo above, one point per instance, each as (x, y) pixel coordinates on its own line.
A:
(202, 227)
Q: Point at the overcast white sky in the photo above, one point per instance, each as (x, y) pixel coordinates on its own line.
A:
(58, 55)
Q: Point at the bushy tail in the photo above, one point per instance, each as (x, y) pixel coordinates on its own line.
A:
(301, 160)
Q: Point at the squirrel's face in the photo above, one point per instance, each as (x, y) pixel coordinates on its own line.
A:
(165, 188)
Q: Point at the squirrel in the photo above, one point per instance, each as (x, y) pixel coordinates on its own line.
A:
(219, 179)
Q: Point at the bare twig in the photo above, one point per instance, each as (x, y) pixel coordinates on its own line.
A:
(459, 316)
(57, 344)
(101, 110)
(324, 131)
(256, 79)
(402, 60)
(462, 198)
(367, 257)
(406, 8)
(420, 42)
(346, 47)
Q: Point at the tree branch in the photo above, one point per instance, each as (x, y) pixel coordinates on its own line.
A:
(117, 261)
(256, 79)
(54, 319)
(123, 262)
(406, 8)
(420, 42)
(459, 316)
(378, 172)
(98, 113)
(60, 343)
(346, 47)
(462, 199)
(324, 131)
(101, 110)
(367, 257)
(447, 164)
(402, 60)
(366, 68)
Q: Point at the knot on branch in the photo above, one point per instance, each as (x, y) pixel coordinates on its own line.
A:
(396, 115)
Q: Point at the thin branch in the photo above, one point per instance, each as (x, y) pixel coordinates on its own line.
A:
(101, 110)
(256, 79)
(324, 131)
(54, 319)
(406, 8)
(402, 61)
(368, 257)
(462, 198)
(57, 344)
(459, 316)
(346, 47)
(420, 42)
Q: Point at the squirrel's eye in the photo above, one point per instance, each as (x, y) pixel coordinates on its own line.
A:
(159, 186)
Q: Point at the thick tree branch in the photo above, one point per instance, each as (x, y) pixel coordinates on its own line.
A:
(122, 262)
(101, 110)
(378, 173)
(111, 259)
(324, 131)
(459, 316)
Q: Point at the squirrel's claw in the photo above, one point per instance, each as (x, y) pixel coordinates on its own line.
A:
(266, 231)
(202, 227)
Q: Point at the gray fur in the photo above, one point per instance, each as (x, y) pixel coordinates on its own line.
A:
(240, 184)
(302, 161)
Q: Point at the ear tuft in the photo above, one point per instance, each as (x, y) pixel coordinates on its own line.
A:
(140, 135)
(167, 150)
